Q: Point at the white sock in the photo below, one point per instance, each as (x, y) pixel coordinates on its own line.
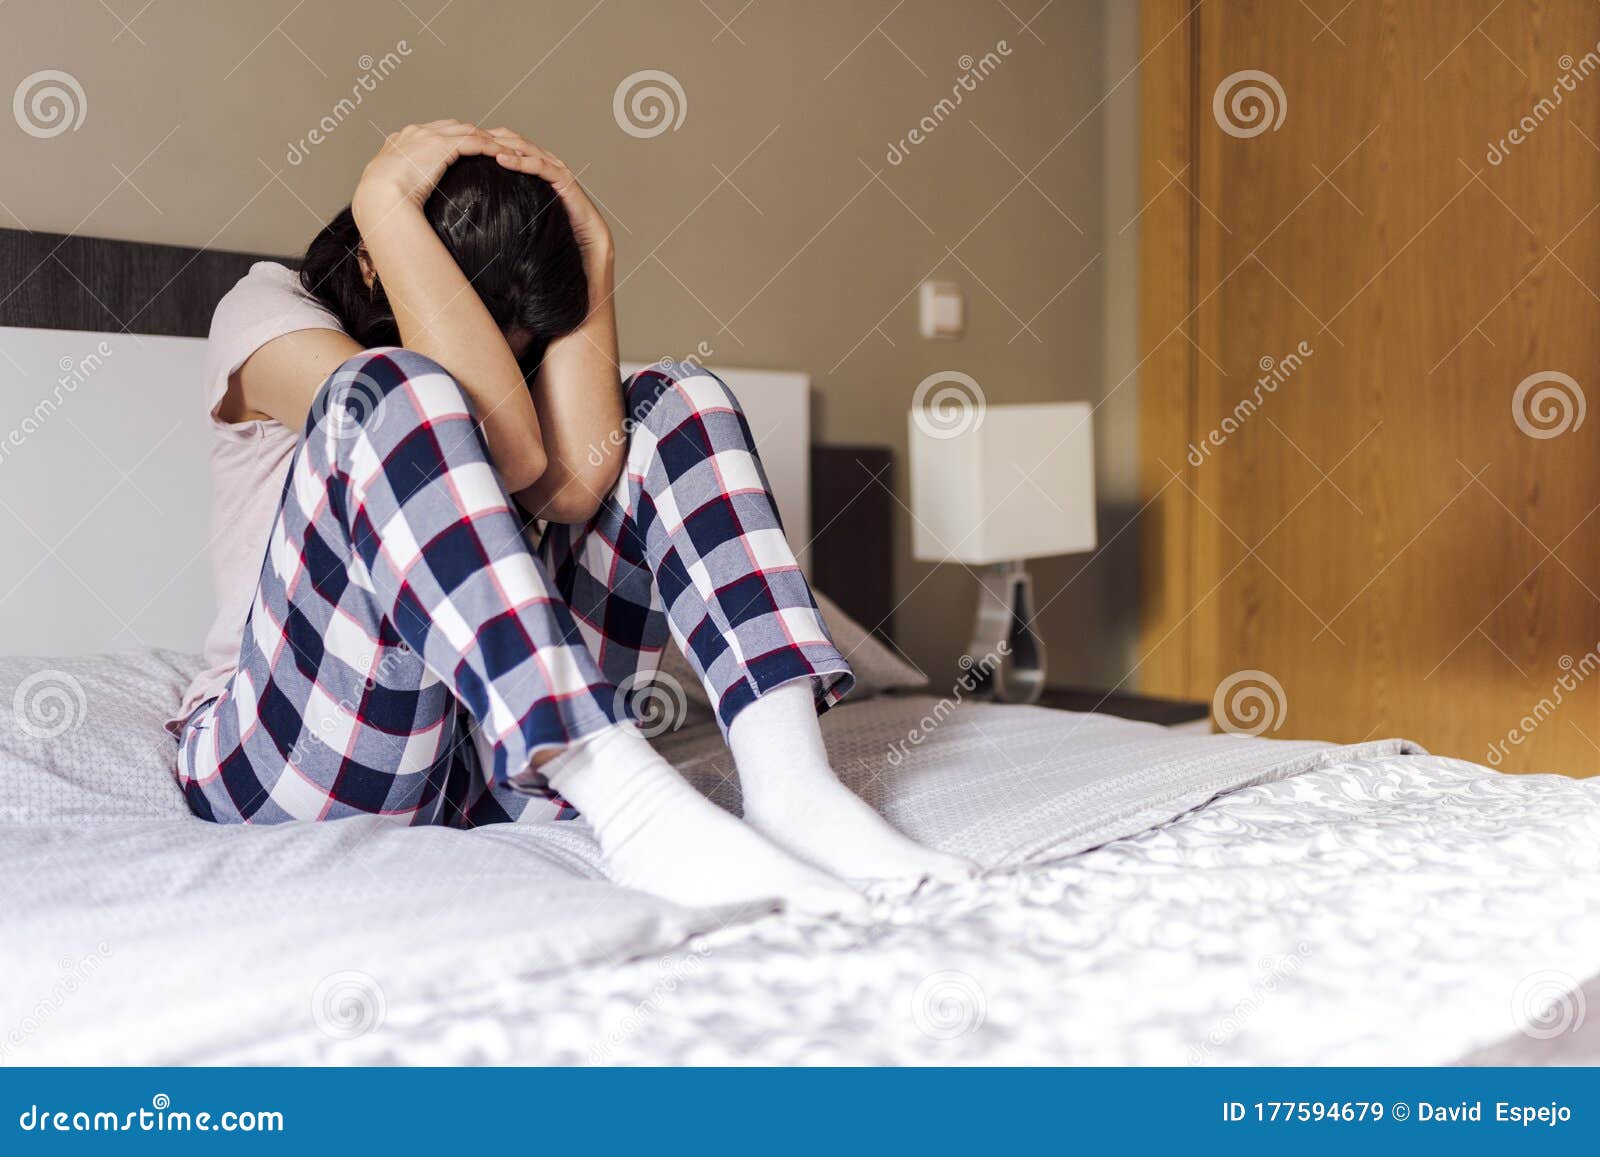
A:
(659, 835)
(792, 796)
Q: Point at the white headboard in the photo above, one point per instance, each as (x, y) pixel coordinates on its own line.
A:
(777, 407)
(104, 496)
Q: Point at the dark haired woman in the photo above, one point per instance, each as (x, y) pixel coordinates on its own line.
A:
(412, 648)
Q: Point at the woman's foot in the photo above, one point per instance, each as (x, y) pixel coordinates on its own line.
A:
(792, 796)
(660, 835)
(825, 823)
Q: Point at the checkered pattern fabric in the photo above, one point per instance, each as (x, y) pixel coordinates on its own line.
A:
(690, 543)
(409, 651)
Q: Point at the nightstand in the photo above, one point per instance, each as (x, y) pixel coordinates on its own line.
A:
(1177, 714)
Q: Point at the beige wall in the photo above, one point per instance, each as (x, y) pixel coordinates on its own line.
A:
(806, 257)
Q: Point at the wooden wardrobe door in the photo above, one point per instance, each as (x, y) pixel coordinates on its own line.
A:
(1372, 334)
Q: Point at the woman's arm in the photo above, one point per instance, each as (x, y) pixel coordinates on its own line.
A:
(577, 391)
(578, 395)
(435, 307)
(437, 312)
(280, 379)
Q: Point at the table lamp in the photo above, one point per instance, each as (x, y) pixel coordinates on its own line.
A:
(1005, 484)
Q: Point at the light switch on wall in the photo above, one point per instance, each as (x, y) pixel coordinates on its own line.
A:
(942, 309)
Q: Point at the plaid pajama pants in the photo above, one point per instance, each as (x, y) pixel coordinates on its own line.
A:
(409, 650)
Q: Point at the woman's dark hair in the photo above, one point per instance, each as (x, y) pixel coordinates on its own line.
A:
(508, 232)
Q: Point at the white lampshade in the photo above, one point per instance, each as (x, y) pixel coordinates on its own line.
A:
(1009, 482)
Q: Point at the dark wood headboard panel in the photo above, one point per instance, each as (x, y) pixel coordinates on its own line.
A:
(852, 527)
(55, 281)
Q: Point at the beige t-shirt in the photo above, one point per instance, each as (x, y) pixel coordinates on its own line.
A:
(249, 460)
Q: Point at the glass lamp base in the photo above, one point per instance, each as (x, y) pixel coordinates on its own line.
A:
(1006, 655)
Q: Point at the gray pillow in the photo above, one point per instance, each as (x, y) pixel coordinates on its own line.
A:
(83, 739)
(877, 669)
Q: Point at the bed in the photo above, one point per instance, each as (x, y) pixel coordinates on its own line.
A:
(1149, 896)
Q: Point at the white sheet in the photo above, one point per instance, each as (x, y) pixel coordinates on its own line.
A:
(1349, 907)
(123, 943)
(1393, 911)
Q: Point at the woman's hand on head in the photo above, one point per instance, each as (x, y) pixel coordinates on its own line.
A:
(410, 163)
(576, 391)
(435, 309)
(588, 226)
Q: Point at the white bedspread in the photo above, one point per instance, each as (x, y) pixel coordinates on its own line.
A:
(1333, 905)
(1391, 911)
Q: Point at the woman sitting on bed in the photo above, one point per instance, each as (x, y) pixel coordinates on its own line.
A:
(403, 651)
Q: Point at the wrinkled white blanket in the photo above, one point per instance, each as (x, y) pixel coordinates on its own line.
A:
(1390, 911)
(1354, 905)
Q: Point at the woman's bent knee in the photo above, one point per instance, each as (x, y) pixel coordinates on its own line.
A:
(661, 397)
(377, 387)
